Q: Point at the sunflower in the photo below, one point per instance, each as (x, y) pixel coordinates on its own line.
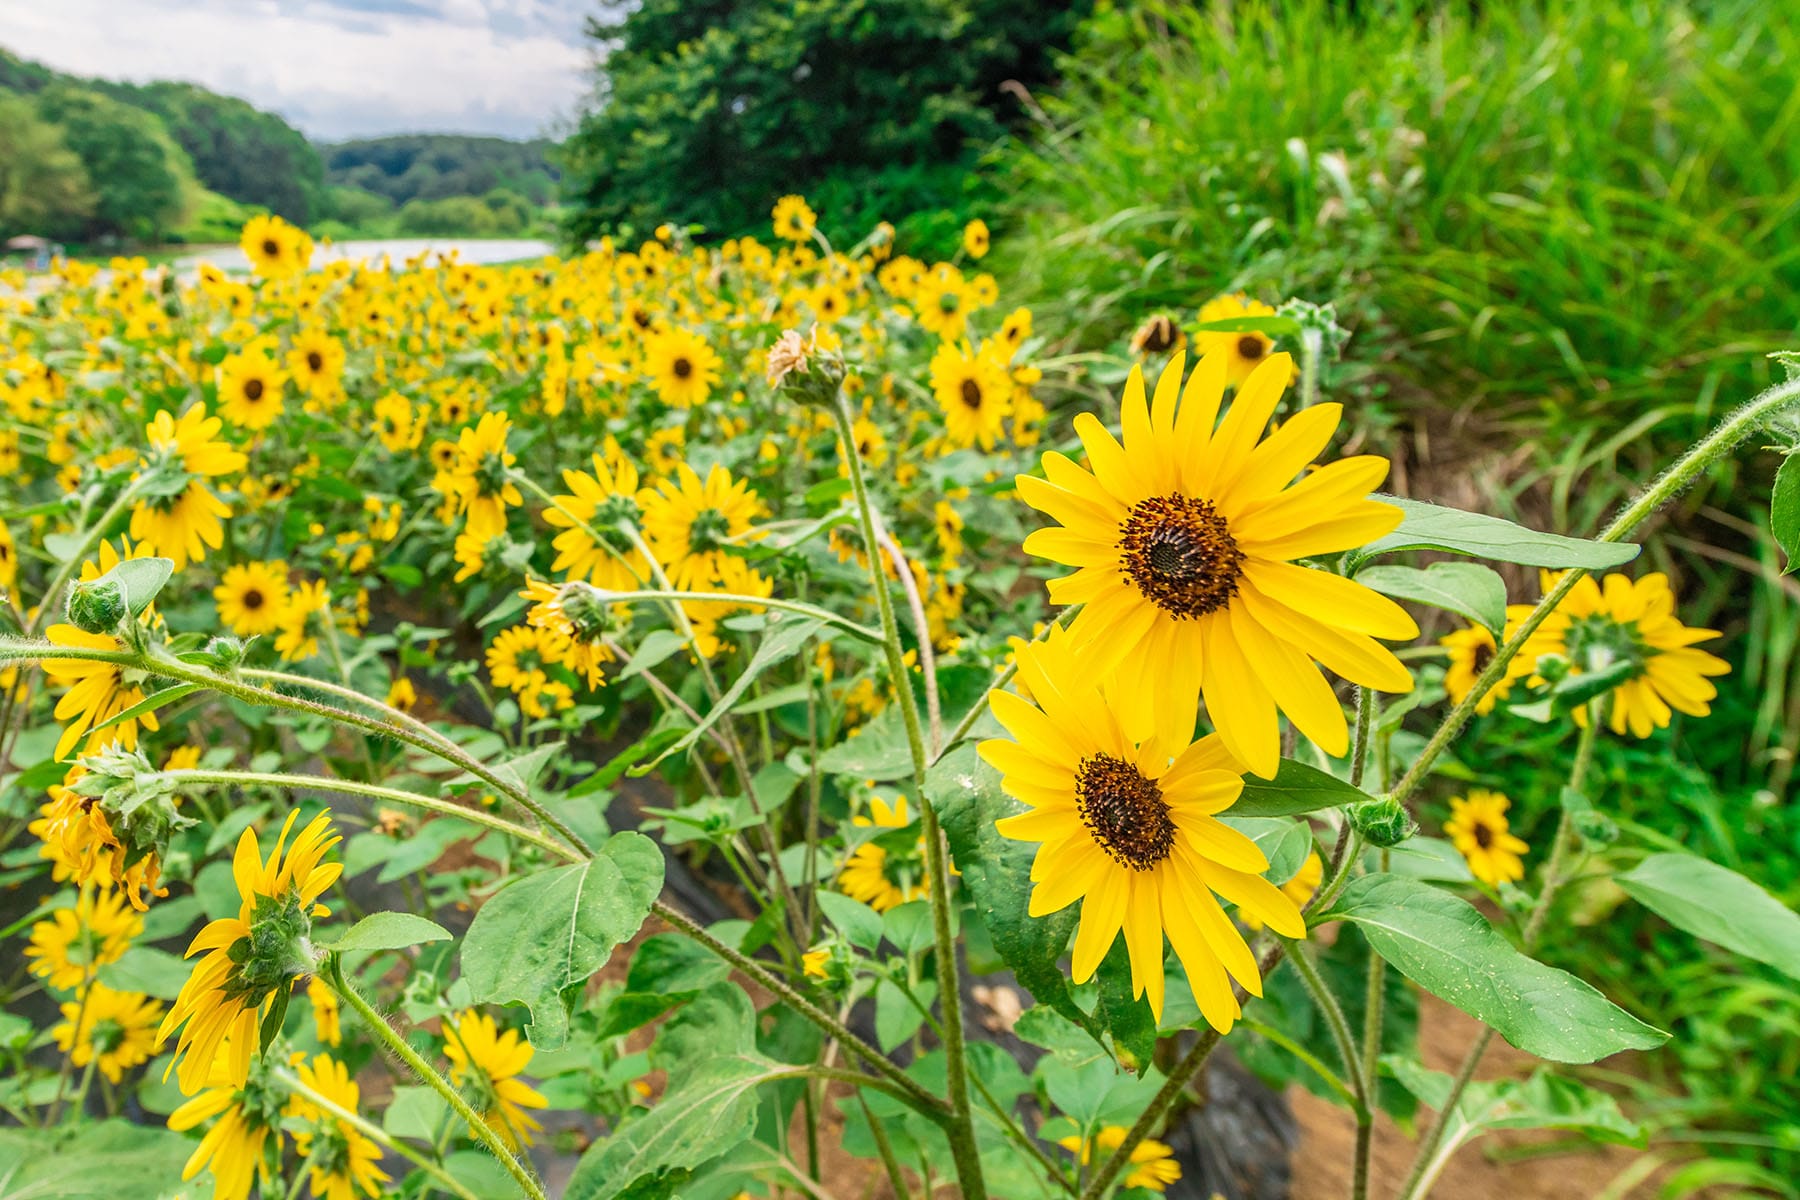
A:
(489, 1062)
(794, 220)
(592, 543)
(180, 518)
(869, 875)
(576, 618)
(252, 956)
(274, 247)
(683, 367)
(324, 1003)
(974, 391)
(340, 1159)
(1158, 335)
(71, 944)
(735, 576)
(401, 694)
(98, 692)
(1015, 329)
(316, 359)
(1470, 650)
(250, 1113)
(252, 596)
(1600, 624)
(479, 479)
(113, 1030)
(1243, 351)
(1153, 1163)
(250, 387)
(299, 620)
(1126, 809)
(941, 302)
(9, 560)
(975, 239)
(689, 522)
(1183, 540)
(396, 426)
(1479, 830)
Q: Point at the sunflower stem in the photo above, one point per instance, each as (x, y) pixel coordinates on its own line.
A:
(384, 1033)
(961, 1127)
(1729, 433)
(90, 535)
(1427, 1162)
(1339, 1025)
(1373, 1003)
(793, 606)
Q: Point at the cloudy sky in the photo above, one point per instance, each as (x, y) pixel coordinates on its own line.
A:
(334, 68)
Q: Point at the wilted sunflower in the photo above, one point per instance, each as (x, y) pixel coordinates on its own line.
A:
(576, 617)
(974, 391)
(689, 523)
(1126, 810)
(252, 596)
(682, 366)
(488, 1062)
(479, 480)
(1479, 830)
(252, 957)
(1602, 624)
(592, 542)
(340, 1159)
(1184, 540)
(115, 1031)
(179, 518)
(250, 390)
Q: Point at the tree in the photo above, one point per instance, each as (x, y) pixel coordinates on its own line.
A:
(44, 189)
(708, 110)
(240, 151)
(138, 173)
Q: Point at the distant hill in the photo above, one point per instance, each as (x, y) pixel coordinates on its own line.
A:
(92, 159)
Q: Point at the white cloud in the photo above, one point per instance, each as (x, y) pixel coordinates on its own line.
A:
(335, 68)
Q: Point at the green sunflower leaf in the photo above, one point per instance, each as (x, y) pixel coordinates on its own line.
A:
(388, 931)
(1466, 589)
(1433, 527)
(1444, 945)
(1784, 510)
(1296, 789)
(1719, 905)
(553, 929)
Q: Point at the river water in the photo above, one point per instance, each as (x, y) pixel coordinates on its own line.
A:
(397, 250)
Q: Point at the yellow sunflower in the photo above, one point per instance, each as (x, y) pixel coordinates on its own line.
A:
(1479, 830)
(1126, 807)
(689, 522)
(71, 944)
(180, 518)
(592, 543)
(682, 366)
(941, 301)
(401, 694)
(1153, 1163)
(340, 1159)
(735, 576)
(9, 560)
(252, 596)
(479, 480)
(98, 692)
(115, 1031)
(252, 956)
(316, 359)
(274, 247)
(576, 618)
(974, 391)
(489, 1062)
(1184, 540)
(1618, 620)
(794, 220)
(250, 390)
(975, 239)
(324, 1003)
(1244, 351)
(1299, 889)
(397, 427)
(249, 1113)
(300, 619)
(869, 875)
(1470, 650)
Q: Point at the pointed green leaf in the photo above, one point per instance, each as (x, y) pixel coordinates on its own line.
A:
(1297, 789)
(1433, 527)
(1719, 905)
(1440, 942)
(388, 931)
(1784, 509)
(1466, 589)
(782, 642)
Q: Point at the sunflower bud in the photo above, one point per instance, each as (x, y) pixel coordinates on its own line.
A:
(585, 607)
(1382, 822)
(1597, 830)
(97, 606)
(227, 653)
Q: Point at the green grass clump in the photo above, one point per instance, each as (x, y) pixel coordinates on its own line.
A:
(1573, 211)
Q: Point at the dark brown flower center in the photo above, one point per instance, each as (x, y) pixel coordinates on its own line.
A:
(1484, 654)
(1180, 554)
(271, 247)
(1125, 813)
(253, 599)
(314, 360)
(253, 389)
(1484, 837)
(682, 368)
(1250, 346)
(1157, 335)
(971, 393)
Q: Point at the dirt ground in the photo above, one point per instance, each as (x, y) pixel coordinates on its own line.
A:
(1328, 1134)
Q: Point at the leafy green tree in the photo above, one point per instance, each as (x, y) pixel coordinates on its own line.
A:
(139, 175)
(240, 151)
(434, 166)
(356, 207)
(44, 189)
(451, 216)
(708, 110)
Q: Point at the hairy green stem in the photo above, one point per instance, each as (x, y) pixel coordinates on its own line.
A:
(961, 1128)
(478, 1126)
(1333, 1012)
(793, 606)
(374, 1133)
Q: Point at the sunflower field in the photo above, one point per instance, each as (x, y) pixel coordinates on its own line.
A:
(749, 720)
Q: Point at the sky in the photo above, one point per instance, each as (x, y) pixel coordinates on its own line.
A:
(336, 69)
